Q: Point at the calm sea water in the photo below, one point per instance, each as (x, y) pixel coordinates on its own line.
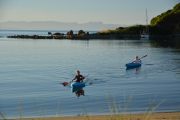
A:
(31, 72)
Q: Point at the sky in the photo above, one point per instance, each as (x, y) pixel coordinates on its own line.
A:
(125, 12)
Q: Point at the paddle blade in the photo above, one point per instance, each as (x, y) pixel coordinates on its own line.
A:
(65, 83)
(143, 56)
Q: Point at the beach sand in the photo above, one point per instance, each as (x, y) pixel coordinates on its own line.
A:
(145, 116)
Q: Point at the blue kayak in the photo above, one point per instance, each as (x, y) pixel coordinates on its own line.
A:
(77, 85)
(132, 65)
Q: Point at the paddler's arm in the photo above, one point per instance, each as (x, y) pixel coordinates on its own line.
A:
(73, 78)
(82, 77)
(133, 61)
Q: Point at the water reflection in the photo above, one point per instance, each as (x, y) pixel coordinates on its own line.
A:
(134, 70)
(78, 91)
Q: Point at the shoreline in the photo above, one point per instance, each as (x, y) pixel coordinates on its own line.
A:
(133, 116)
(78, 37)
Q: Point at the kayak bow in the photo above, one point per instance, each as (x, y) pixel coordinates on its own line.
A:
(77, 85)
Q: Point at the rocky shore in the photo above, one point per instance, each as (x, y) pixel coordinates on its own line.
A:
(81, 35)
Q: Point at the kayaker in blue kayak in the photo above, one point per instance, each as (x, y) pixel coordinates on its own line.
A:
(78, 77)
(137, 60)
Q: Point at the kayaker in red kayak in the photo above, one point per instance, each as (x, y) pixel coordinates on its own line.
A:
(78, 77)
(137, 60)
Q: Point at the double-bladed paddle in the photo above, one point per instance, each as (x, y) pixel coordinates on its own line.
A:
(140, 58)
(68, 83)
(143, 56)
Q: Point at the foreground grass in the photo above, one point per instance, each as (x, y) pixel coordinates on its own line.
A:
(154, 116)
(116, 113)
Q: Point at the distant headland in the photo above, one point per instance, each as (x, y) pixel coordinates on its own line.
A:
(164, 30)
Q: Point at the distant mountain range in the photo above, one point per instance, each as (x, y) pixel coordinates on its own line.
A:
(53, 25)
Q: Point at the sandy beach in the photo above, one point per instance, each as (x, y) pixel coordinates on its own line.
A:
(145, 116)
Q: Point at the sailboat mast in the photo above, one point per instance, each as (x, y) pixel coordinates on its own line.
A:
(145, 34)
(147, 28)
(146, 17)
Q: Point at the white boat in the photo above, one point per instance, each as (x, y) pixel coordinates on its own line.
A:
(145, 34)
